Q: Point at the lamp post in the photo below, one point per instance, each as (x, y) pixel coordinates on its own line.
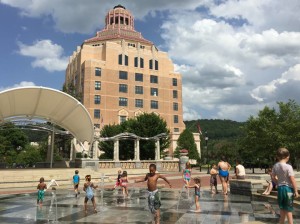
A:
(206, 140)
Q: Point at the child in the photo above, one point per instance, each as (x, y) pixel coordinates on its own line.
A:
(186, 173)
(88, 188)
(213, 179)
(153, 197)
(41, 187)
(196, 186)
(124, 182)
(287, 186)
(272, 183)
(76, 180)
(118, 179)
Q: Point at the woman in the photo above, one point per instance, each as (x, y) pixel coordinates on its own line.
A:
(224, 168)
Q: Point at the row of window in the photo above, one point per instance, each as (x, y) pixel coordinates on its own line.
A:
(138, 103)
(139, 77)
(97, 116)
(123, 88)
(138, 62)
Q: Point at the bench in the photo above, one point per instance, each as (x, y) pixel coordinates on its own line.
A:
(245, 187)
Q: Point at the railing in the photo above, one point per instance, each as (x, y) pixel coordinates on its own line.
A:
(143, 164)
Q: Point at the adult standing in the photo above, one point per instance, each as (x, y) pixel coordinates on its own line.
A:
(224, 168)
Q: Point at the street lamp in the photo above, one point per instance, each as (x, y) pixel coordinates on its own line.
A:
(206, 140)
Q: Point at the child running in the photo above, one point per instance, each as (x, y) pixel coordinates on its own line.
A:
(88, 188)
(213, 179)
(123, 183)
(76, 180)
(287, 186)
(196, 186)
(41, 191)
(153, 197)
(118, 183)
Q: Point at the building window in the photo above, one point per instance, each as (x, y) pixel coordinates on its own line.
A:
(175, 94)
(120, 59)
(154, 91)
(97, 125)
(175, 119)
(139, 103)
(151, 64)
(123, 119)
(176, 129)
(136, 61)
(141, 62)
(139, 77)
(139, 90)
(96, 113)
(174, 81)
(131, 45)
(97, 71)
(175, 106)
(153, 79)
(97, 85)
(97, 99)
(156, 65)
(122, 75)
(154, 104)
(123, 88)
(123, 102)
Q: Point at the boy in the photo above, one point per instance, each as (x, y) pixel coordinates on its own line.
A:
(153, 198)
(287, 187)
(213, 179)
(41, 191)
(76, 180)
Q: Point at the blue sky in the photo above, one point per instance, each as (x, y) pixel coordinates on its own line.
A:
(235, 57)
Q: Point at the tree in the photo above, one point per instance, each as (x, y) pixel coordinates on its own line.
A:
(144, 125)
(270, 130)
(108, 146)
(148, 125)
(186, 141)
(29, 156)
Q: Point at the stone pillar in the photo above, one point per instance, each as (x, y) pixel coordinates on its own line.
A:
(157, 150)
(137, 150)
(73, 150)
(116, 151)
(95, 150)
(48, 159)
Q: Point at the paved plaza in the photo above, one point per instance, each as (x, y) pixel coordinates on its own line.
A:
(61, 206)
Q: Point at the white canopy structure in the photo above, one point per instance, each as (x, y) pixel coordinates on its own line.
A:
(48, 104)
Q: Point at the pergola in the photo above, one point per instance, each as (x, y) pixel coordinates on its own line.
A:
(54, 106)
(136, 139)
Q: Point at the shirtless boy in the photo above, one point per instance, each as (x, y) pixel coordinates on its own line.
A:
(153, 197)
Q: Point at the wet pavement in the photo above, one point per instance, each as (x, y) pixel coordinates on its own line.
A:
(61, 206)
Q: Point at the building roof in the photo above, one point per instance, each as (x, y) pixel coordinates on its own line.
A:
(49, 104)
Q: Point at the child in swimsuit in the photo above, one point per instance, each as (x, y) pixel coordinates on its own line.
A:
(196, 186)
(88, 188)
(118, 183)
(124, 182)
(153, 198)
(41, 191)
(213, 179)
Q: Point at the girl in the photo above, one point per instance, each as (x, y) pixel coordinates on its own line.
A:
(186, 175)
(41, 191)
(213, 179)
(196, 186)
(124, 182)
(88, 188)
(118, 179)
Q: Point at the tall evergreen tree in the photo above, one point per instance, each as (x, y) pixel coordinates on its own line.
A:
(186, 141)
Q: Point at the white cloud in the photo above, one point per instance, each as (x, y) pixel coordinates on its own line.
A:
(46, 55)
(21, 84)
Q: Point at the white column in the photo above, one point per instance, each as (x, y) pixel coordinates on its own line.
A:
(157, 150)
(137, 150)
(116, 151)
(95, 150)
